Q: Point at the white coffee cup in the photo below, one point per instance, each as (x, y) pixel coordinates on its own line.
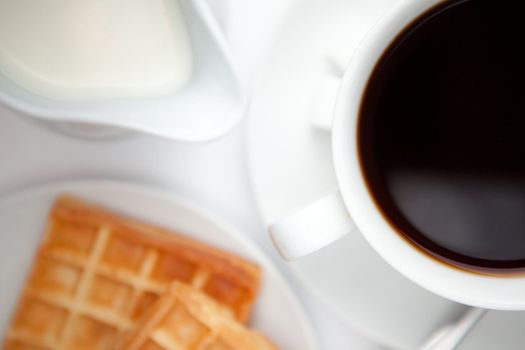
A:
(340, 213)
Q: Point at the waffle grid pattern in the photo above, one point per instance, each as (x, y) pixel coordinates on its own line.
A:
(93, 279)
(185, 319)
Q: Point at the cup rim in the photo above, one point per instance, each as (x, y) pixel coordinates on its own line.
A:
(487, 291)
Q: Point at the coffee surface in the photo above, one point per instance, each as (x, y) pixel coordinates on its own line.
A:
(441, 134)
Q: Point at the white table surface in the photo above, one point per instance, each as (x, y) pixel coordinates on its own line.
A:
(213, 175)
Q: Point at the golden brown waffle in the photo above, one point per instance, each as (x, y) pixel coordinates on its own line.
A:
(186, 319)
(96, 273)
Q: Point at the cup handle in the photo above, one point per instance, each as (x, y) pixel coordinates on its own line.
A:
(311, 228)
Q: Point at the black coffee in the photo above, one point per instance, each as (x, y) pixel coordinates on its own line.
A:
(442, 134)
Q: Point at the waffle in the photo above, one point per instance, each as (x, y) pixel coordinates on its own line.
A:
(186, 319)
(96, 273)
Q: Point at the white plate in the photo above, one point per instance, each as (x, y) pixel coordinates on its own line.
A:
(290, 165)
(23, 215)
(207, 107)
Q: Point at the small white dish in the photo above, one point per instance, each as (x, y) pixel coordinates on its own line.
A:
(22, 220)
(290, 165)
(206, 108)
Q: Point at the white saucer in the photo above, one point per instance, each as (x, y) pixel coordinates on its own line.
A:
(497, 330)
(22, 217)
(290, 165)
